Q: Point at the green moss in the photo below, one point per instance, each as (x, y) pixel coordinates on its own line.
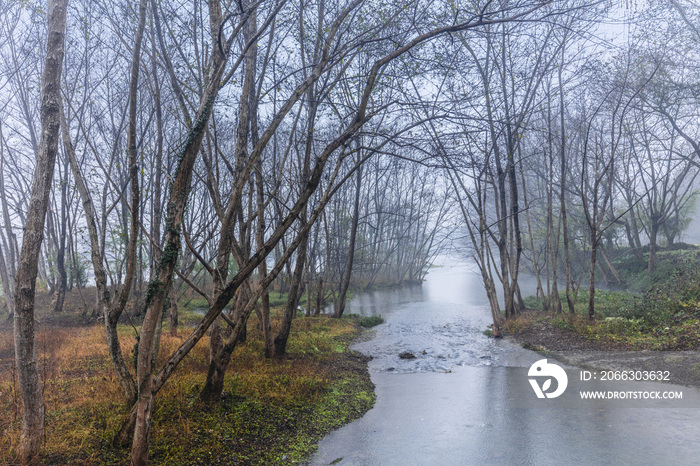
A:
(249, 428)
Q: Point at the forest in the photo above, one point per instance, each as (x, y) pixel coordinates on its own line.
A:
(179, 175)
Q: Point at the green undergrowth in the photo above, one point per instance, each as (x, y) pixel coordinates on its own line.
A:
(371, 321)
(634, 273)
(272, 411)
(262, 426)
(664, 317)
(607, 303)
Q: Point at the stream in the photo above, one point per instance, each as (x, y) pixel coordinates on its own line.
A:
(466, 398)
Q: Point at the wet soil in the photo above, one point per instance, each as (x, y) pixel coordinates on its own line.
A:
(576, 350)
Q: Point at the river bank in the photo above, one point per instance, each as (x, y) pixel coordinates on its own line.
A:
(272, 411)
(575, 350)
(654, 329)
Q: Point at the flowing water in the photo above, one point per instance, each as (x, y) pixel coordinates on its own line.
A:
(466, 399)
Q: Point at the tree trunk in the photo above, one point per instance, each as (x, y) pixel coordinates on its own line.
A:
(172, 313)
(220, 351)
(591, 275)
(25, 352)
(610, 265)
(61, 254)
(653, 234)
(567, 257)
(554, 299)
(319, 297)
(295, 293)
(161, 282)
(351, 246)
(214, 385)
(103, 295)
(515, 217)
(562, 184)
(148, 341)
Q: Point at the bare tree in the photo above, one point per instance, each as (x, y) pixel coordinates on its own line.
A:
(25, 353)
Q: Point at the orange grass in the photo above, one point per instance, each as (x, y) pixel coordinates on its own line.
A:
(84, 402)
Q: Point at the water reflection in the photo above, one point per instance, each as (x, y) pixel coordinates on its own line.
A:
(465, 399)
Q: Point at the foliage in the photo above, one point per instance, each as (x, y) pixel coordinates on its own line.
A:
(533, 302)
(675, 297)
(371, 321)
(634, 272)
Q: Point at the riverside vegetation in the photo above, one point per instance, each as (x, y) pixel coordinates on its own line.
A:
(272, 411)
(660, 311)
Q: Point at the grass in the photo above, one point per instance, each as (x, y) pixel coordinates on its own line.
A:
(679, 331)
(666, 316)
(272, 412)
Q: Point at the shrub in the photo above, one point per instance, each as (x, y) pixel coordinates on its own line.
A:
(371, 321)
(679, 294)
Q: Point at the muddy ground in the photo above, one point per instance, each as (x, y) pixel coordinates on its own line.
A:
(576, 350)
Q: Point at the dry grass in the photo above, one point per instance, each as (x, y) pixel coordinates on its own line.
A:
(518, 323)
(84, 405)
(77, 381)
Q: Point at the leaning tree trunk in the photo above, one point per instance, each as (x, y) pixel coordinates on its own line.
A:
(25, 352)
(161, 282)
(351, 247)
(104, 298)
